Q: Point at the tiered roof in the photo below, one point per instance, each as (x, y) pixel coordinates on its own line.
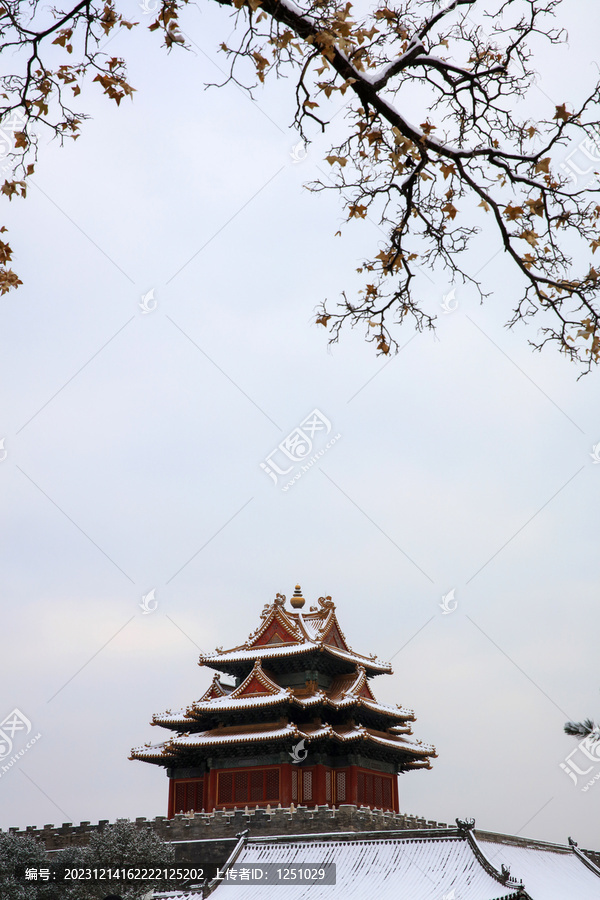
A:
(286, 635)
(336, 711)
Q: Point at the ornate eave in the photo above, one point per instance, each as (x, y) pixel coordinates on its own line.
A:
(277, 620)
(348, 696)
(216, 689)
(257, 684)
(406, 754)
(233, 661)
(298, 684)
(284, 635)
(322, 625)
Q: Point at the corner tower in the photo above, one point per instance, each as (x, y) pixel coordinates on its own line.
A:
(301, 724)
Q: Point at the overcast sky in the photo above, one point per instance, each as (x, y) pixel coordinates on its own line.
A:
(134, 441)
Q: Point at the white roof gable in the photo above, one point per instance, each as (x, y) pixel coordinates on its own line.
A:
(546, 873)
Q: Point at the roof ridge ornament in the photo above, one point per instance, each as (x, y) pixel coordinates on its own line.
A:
(326, 603)
(504, 874)
(465, 825)
(297, 600)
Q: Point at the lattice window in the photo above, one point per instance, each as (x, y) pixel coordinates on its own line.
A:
(240, 787)
(378, 791)
(369, 798)
(256, 785)
(246, 786)
(375, 790)
(194, 795)
(294, 784)
(387, 793)
(188, 796)
(179, 797)
(360, 789)
(272, 784)
(328, 796)
(307, 784)
(225, 793)
(340, 786)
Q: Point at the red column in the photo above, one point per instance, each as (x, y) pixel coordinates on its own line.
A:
(171, 803)
(205, 793)
(396, 799)
(319, 796)
(211, 790)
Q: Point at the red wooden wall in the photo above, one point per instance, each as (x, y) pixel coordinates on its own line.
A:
(285, 784)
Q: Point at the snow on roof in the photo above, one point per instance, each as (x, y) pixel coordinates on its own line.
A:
(270, 694)
(383, 867)
(275, 731)
(277, 651)
(317, 623)
(303, 700)
(548, 873)
(346, 690)
(217, 688)
(359, 732)
(342, 685)
(179, 717)
(217, 736)
(183, 721)
(149, 751)
(400, 711)
(229, 704)
(258, 700)
(214, 738)
(417, 867)
(308, 631)
(177, 895)
(284, 634)
(257, 682)
(312, 625)
(316, 730)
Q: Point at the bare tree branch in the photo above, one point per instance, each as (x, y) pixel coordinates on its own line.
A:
(470, 165)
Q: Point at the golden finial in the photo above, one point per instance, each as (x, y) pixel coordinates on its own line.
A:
(297, 600)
